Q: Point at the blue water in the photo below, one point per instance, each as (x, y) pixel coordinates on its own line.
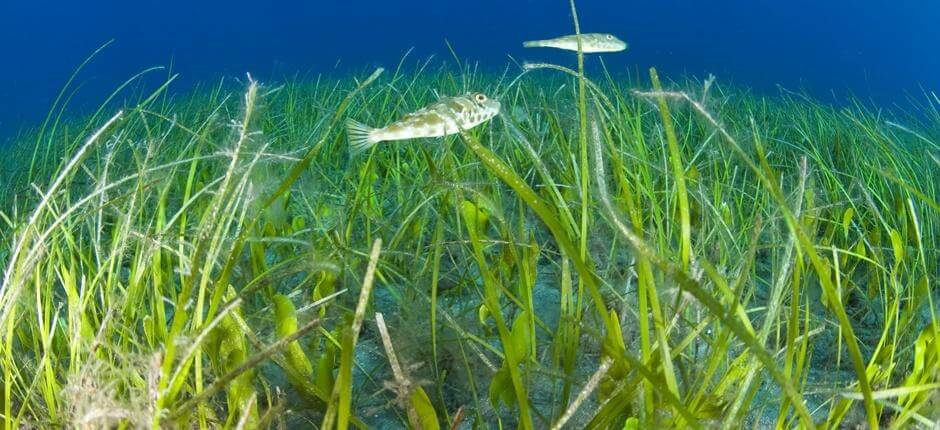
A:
(877, 50)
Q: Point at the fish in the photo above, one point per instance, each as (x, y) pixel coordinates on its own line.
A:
(590, 43)
(445, 117)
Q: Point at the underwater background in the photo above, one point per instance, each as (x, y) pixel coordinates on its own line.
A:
(333, 215)
(875, 50)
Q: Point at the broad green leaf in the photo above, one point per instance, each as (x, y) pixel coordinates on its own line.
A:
(426, 414)
(501, 389)
(483, 314)
(631, 423)
(898, 246)
(285, 316)
(520, 337)
(847, 220)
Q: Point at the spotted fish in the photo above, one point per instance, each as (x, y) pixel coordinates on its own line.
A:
(445, 117)
(590, 43)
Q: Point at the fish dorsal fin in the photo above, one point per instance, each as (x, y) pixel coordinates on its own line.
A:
(420, 111)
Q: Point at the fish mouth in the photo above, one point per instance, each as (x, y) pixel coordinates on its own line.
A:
(494, 105)
(617, 46)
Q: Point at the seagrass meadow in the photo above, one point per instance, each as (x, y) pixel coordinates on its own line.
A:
(609, 252)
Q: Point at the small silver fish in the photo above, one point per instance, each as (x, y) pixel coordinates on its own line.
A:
(590, 43)
(445, 117)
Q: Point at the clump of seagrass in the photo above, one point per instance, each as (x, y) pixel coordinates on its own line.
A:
(820, 265)
(687, 282)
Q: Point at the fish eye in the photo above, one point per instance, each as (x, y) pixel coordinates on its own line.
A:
(609, 37)
(480, 98)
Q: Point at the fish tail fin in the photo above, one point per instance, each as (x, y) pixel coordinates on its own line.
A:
(532, 44)
(361, 136)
